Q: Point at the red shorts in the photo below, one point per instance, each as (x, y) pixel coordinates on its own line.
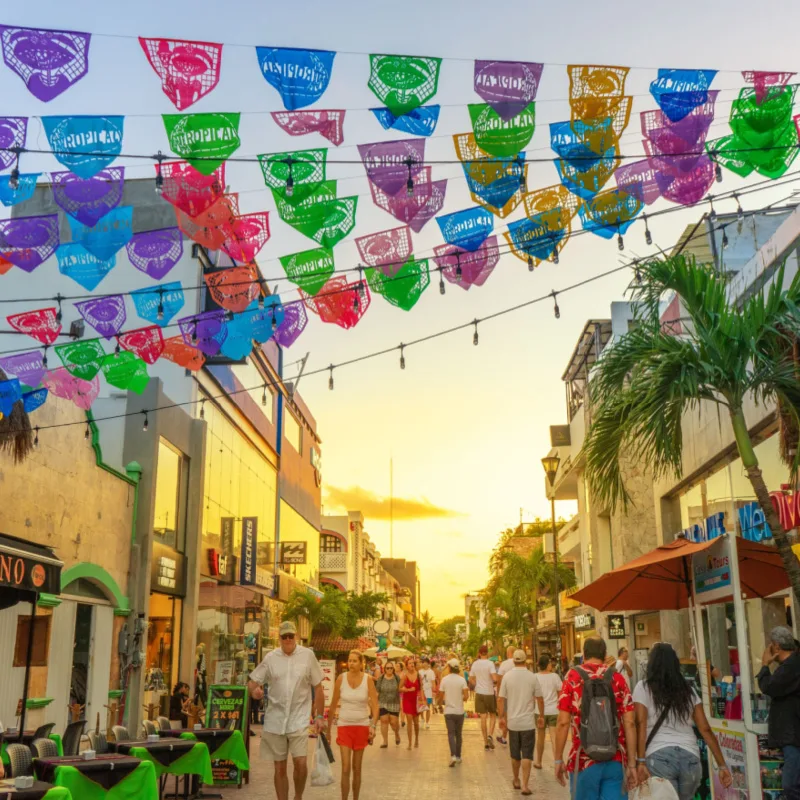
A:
(356, 737)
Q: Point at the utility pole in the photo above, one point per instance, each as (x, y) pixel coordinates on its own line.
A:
(550, 464)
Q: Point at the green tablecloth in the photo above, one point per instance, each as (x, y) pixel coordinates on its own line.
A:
(54, 736)
(141, 784)
(58, 793)
(195, 762)
(232, 749)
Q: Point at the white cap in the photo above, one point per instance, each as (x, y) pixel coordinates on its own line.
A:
(520, 657)
(453, 662)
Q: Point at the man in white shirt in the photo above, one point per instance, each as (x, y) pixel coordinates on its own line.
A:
(520, 695)
(623, 666)
(428, 678)
(482, 678)
(550, 684)
(291, 671)
(505, 667)
(453, 691)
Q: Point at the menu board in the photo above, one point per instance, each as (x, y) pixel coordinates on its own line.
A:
(227, 708)
(328, 667)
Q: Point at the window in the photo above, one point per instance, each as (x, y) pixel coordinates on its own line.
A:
(167, 523)
(41, 641)
(256, 386)
(330, 544)
(293, 432)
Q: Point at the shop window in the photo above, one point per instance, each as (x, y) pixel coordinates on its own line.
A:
(254, 383)
(163, 644)
(170, 476)
(293, 432)
(41, 641)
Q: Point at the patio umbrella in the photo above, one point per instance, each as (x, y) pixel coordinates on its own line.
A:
(390, 652)
(661, 579)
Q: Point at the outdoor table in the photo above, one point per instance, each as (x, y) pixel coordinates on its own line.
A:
(223, 744)
(39, 791)
(11, 736)
(105, 777)
(172, 757)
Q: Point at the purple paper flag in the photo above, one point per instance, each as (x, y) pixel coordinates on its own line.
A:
(388, 250)
(90, 199)
(105, 314)
(295, 319)
(28, 241)
(431, 208)
(639, 179)
(155, 252)
(206, 331)
(405, 205)
(467, 268)
(48, 61)
(390, 165)
(28, 367)
(507, 86)
(685, 180)
(12, 134)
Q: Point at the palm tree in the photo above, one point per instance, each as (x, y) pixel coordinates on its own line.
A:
(726, 353)
(426, 623)
(328, 613)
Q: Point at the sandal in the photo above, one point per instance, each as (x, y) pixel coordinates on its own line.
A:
(537, 766)
(383, 746)
(527, 792)
(397, 740)
(516, 785)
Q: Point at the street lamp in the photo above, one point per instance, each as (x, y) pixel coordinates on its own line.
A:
(550, 464)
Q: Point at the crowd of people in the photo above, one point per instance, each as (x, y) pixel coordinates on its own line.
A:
(619, 737)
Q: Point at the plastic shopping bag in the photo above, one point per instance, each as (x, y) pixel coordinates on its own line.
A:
(654, 789)
(321, 775)
(422, 703)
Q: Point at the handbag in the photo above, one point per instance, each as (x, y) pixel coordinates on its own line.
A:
(422, 703)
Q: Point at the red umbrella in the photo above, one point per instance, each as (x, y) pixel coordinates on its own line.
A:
(661, 579)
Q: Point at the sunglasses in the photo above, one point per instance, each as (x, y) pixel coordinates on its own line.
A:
(287, 636)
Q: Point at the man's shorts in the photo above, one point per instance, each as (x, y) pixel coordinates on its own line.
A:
(429, 700)
(521, 745)
(279, 746)
(550, 720)
(485, 704)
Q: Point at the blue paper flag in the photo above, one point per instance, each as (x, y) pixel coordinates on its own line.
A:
(582, 145)
(499, 191)
(609, 213)
(679, 91)
(419, 122)
(111, 233)
(10, 392)
(34, 399)
(24, 191)
(535, 237)
(239, 342)
(81, 266)
(84, 144)
(167, 295)
(466, 229)
(300, 76)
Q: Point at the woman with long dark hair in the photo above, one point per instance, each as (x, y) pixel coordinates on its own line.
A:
(667, 707)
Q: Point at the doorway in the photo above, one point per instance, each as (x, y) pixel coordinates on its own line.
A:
(79, 682)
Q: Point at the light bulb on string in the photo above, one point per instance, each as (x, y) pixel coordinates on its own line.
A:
(739, 213)
(531, 265)
(712, 214)
(160, 311)
(362, 289)
(194, 332)
(159, 157)
(264, 396)
(718, 173)
(459, 271)
(289, 177)
(356, 304)
(475, 339)
(36, 436)
(523, 181)
(648, 237)
(556, 309)
(87, 433)
(13, 178)
(441, 281)
(59, 313)
(146, 423)
(117, 349)
(410, 182)
(620, 242)
(203, 408)
(274, 320)
(724, 239)
(638, 273)
(262, 291)
(402, 357)
(555, 254)
(330, 378)
(44, 356)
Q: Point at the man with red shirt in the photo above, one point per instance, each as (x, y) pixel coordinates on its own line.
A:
(593, 780)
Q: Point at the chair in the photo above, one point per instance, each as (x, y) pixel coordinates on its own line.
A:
(98, 742)
(149, 726)
(43, 731)
(120, 733)
(21, 760)
(44, 748)
(72, 737)
(163, 724)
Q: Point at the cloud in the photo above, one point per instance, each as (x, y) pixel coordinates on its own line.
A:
(482, 556)
(373, 506)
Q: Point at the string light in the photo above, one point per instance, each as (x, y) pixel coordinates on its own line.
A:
(556, 309)
(410, 182)
(160, 312)
(274, 320)
(87, 433)
(36, 436)
(264, 396)
(146, 423)
(620, 241)
(531, 265)
(117, 349)
(356, 304)
(194, 332)
(555, 254)
(203, 408)
(330, 378)
(59, 313)
(523, 180)
(712, 214)
(724, 239)
(13, 178)
(159, 157)
(441, 281)
(638, 273)
(718, 173)
(289, 177)
(459, 272)
(475, 335)
(44, 356)
(648, 237)
(402, 357)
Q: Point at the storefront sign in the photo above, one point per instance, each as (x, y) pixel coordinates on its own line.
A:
(226, 535)
(560, 436)
(714, 526)
(222, 567)
(26, 571)
(753, 523)
(712, 572)
(616, 626)
(293, 552)
(328, 667)
(584, 622)
(227, 707)
(167, 571)
(265, 578)
(247, 562)
(733, 750)
(566, 598)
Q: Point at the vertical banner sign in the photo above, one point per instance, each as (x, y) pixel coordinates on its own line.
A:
(711, 569)
(616, 626)
(247, 562)
(328, 667)
(733, 749)
(226, 535)
(226, 705)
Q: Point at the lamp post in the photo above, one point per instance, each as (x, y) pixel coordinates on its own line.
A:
(550, 464)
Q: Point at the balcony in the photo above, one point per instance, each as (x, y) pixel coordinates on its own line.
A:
(333, 562)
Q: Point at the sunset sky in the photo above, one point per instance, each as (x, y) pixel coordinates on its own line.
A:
(464, 426)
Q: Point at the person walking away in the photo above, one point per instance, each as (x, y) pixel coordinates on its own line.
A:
(453, 691)
(482, 679)
(355, 696)
(783, 688)
(666, 706)
(595, 705)
(428, 677)
(502, 669)
(623, 665)
(410, 688)
(517, 701)
(291, 672)
(388, 688)
(550, 683)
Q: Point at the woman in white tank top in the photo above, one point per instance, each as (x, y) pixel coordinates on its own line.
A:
(355, 696)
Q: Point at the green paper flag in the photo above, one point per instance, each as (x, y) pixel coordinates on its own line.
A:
(502, 137)
(403, 83)
(759, 124)
(125, 370)
(405, 287)
(306, 167)
(310, 269)
(81, 359)
(204, 140)
(321, 216)
(734, 154)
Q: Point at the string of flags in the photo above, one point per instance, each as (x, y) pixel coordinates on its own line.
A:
(680, 167)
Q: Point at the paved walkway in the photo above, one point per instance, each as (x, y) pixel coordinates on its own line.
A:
(420, 774)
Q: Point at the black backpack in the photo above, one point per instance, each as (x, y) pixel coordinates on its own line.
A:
(599, 720)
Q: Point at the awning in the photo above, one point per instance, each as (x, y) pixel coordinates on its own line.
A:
(26, 567)
(660, 580)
